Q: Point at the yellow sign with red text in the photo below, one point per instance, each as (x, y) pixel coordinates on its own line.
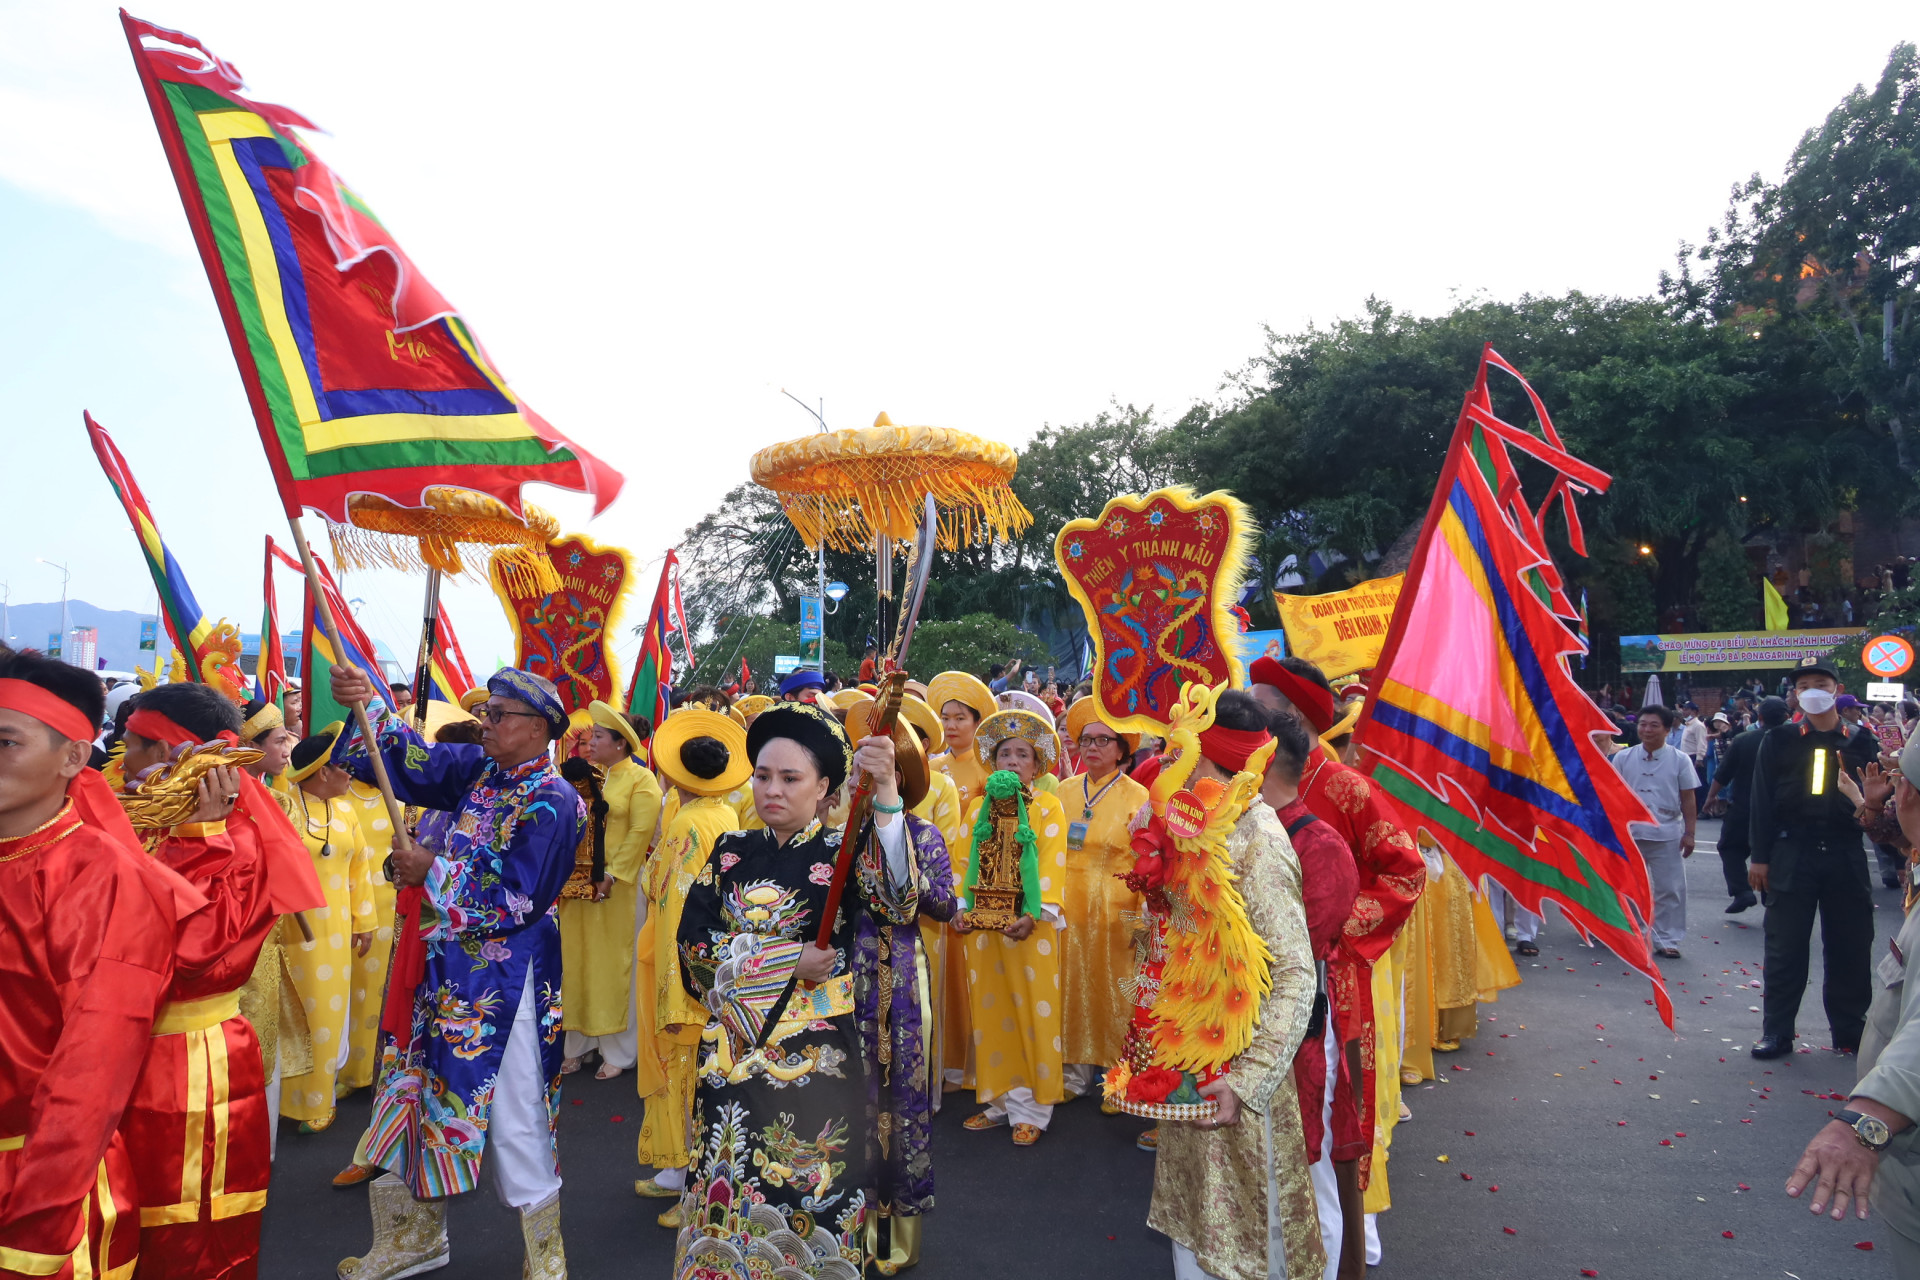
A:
(1340, 632)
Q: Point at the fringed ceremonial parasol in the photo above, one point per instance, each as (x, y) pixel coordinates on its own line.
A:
(852, 488)
(431, 537)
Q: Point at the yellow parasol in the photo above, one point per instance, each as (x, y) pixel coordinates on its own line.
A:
(430, 536)
(853, 488)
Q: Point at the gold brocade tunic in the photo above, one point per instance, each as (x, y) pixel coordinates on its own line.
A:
(597, 938)
(1014, 987)
(370, 970)
(1214, 1189)
(1098, 935)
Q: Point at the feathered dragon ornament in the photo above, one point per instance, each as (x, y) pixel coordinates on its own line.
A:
(1202, 971)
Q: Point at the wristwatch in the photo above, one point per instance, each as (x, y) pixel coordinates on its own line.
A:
(1870, 1130)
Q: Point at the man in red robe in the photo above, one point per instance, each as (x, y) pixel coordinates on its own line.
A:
(1392, 874)
(1328, 882)
(86, 952)
(198, 1127)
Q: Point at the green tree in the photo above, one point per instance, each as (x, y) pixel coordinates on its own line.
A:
(758, 639)
(973, 643)
(1832, 252)
(1729, 587)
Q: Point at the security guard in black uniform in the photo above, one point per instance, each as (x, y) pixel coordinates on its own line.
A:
(1808, 857)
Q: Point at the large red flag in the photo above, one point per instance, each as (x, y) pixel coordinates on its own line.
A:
(1484, 742)
(361, 376)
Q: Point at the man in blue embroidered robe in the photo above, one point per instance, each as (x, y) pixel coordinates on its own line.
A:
(479, 1071)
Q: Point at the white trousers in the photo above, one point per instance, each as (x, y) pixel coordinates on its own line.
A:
(519, 1147)
(1078, 1078)
(273, 1111)
(1668, 872)
(1017, 1105)
(621, 1050)
(1326, 1187)
(1525, 924)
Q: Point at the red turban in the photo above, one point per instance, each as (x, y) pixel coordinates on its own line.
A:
(1315, 703)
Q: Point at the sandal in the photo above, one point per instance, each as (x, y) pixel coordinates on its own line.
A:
(1526, 949)
(318, 1126)
(1025, 1135)
(608, 1071)
(569, 1066)
(982, 1121)
(1149, 1139)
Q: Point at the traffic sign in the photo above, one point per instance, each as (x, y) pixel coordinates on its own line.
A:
(1888, 657)
(1885, 691)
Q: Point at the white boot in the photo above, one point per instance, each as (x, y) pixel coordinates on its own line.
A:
(409, 1236)
(546, 1259)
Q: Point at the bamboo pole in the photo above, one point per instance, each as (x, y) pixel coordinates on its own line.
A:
(401, 840)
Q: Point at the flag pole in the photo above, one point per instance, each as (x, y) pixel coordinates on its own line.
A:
(324, 610)
(429, 643)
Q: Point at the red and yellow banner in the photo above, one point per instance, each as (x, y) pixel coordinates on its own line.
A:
(1341, 632)
(568, 635)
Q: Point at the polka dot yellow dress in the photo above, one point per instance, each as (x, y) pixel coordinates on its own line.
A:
(322, 969)
(944, 1010)
(1014, 987)
(370, 970)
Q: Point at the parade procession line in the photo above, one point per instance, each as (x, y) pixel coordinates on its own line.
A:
(1580, 1191)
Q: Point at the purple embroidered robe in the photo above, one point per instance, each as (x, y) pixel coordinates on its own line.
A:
(899, 1090)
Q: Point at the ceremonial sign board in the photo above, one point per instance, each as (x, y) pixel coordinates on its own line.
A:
(1157, 577)
(1888, 657)
(1691, 651)
(568, 636)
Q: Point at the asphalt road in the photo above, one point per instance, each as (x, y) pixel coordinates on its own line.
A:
(1575, 1134)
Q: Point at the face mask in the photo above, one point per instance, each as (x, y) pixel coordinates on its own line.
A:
(1817, 702)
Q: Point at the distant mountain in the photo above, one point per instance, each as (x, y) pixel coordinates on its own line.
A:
(31, 624)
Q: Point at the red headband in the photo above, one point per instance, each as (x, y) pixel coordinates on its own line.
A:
(1230, 748)
(1315, 703)
(49, 709)
(155, 726)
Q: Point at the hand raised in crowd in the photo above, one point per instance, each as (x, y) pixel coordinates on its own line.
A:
(874, 758)
(1876, 783)
(350, 686)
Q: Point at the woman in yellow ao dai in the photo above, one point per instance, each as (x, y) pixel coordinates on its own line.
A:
(370, 970)
(322, 970)
(597, 936)
(1013, 975)
(1102, 913)
(959, 702)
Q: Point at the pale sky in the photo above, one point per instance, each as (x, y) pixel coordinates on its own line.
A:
(983, 216)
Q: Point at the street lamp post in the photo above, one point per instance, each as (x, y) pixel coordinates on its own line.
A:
(65, 577)
(819, 416)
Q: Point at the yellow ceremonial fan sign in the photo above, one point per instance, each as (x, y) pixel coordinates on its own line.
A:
(1342, 631)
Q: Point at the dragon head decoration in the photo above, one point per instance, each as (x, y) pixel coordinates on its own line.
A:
(1204, 970)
